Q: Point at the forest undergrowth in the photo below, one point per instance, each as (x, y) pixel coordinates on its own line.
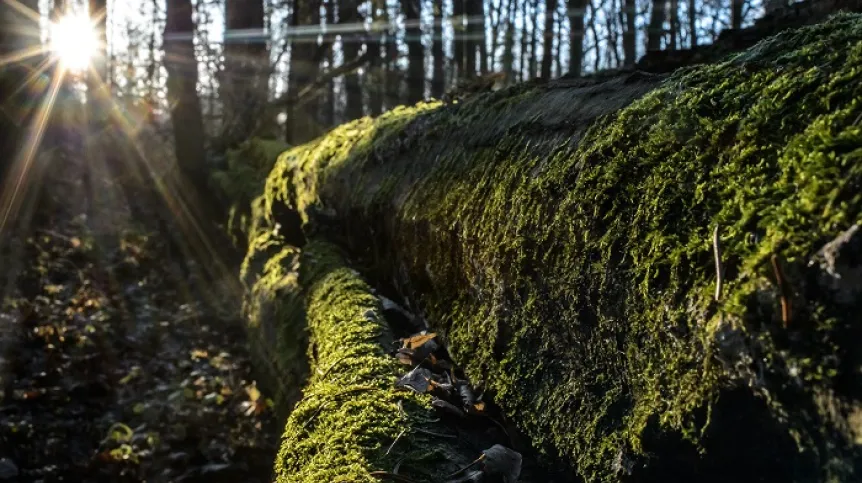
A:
(113, 365)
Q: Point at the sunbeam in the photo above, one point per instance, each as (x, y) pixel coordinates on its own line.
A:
(20, 170)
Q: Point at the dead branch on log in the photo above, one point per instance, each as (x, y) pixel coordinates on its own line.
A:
(313, 90)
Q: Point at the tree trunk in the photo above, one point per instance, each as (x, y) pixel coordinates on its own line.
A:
(302, 123)
(630, 34)
(534, 39)
(522, 52)
(459, 42)
(438, 79)
(692, 22)
(392, 89)
(479, 35)
(655, 30)
(674, 24)
(415, 51)
(374, 81)
(181, 65)
(548, 44)
(470, 42)
(558, 51)
(351, 43)
(508, 52)
(244, 88)
(328, 113)
(736, 14)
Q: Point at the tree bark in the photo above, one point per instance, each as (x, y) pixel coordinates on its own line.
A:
(655, 30)
(459, 42)
(674, 24)
(630, 34)
(392, 83)
(534, 39)
(508, 60)
(692, 22)
(522, 52)
(302, 122)
(415, 51)
(736, 14)
(328, 107)
(375, 77)
(479, 34)
(351, 43)
(245, 84)
(438, 78)
(470, 42)
(548, 44)
(181, 64)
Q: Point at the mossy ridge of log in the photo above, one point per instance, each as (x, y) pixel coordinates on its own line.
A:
(560, 237)
(343, 425)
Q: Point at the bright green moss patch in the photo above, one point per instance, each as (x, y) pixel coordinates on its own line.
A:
(560, 237)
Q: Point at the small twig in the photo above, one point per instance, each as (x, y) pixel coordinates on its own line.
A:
(432, 433)
(784, 288)
(474, 463)
(384, 475)
(719, 271)
(313, 416)
(331, 366)
(396, 440)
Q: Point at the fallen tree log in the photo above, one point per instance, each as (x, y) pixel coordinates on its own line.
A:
(560, 236)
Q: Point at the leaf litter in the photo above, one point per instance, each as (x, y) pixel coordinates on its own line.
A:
(113, 371)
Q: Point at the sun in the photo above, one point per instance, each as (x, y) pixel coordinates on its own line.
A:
(74, 41)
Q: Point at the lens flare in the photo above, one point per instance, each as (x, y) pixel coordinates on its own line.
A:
(74, 41)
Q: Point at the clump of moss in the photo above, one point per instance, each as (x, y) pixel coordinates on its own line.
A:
(560, 237)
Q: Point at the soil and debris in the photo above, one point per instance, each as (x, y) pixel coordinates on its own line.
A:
(113, 370)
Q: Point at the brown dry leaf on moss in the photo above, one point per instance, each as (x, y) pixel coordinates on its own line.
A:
(418, 340)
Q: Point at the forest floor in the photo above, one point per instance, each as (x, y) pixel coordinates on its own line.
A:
(114, 369)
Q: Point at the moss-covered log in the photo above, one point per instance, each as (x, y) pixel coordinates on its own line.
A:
(351, 420)
(560, 236)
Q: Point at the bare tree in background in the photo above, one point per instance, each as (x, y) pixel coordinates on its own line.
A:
(351, 43)
(534, 39)
(692, 22)
(245, 78)
(438, 77)
(655, 29)
(392, 81)
(415, 50)
(459, 47)
(508, 60)
(674, 24)
(736, 14)
(630, 34)
(375, 78)
(301, 123)
(476, 46)
(181, 65)
(548, 43)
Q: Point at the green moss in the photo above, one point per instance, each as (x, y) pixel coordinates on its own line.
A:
(351, 413)
(560, 237)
